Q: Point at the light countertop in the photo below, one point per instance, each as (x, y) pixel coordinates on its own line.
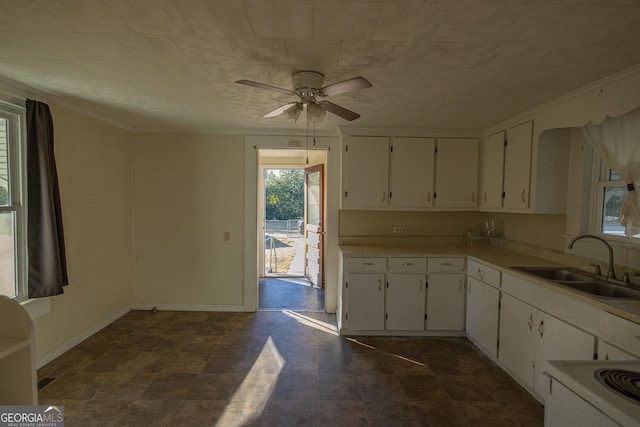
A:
(502, 259)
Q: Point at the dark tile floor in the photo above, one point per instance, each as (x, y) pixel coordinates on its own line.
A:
(290, 294)
(276, 368)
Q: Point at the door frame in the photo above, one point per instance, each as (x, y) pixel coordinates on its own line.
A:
(332, 198)
(262, 208)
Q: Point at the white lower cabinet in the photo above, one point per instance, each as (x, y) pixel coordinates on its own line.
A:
(482, 315)
(405, 301)
(530, 337)
(557, 340)
(446, 301)
(517, 340)
(607, 351)
(365, 301)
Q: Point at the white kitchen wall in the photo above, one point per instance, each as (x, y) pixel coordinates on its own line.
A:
(188, 190)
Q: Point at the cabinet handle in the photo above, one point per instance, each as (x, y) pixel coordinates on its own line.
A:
(485, 197)
(541, 328)
(473, 196)
(421, 284)
(460, 284)
(408, 264)
(530, 322)
(523, 195)
(384, 195)
(429, 197)
(481, 274)
(445, 264)
(379, 285)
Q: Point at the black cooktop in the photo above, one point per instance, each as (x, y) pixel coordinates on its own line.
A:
(621, 381)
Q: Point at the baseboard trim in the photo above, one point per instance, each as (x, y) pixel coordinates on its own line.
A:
(189, 307)
(60, 350)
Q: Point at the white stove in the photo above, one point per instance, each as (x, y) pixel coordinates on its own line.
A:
(611, 388)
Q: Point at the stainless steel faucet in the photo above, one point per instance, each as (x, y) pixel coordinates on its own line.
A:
(611, 274)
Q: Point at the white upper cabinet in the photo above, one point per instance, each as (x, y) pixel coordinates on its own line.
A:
(520, 173)
(411, 172)
(407, 173)
(517, 166)
(492, 171)
(366, 172)
(457, 173)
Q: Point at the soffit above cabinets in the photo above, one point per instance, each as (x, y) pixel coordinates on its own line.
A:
(171, 64)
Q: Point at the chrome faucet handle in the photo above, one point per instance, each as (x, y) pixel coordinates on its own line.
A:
(597, 271)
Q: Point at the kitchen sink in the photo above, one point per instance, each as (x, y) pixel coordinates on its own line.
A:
(603, 289)
(556, 274)
(583, 282)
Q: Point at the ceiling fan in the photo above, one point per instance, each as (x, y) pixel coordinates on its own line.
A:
(307, 86)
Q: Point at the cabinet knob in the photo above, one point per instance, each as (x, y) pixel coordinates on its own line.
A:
(541, 328)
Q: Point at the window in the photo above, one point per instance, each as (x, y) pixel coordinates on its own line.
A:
(12, 209)
(610, 194)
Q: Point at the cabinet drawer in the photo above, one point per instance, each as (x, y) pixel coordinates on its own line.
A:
(620, 332)
(484, 273)
(367, 265)
(407, 265)
(446, 265)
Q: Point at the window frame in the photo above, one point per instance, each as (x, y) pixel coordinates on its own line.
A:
(601, 180)
(15, 115)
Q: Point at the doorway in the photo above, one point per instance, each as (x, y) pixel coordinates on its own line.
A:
(291, 210)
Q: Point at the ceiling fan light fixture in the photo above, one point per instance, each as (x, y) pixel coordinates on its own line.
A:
(293, 112)
(316, 113)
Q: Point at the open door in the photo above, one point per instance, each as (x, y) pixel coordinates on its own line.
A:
(314, 224)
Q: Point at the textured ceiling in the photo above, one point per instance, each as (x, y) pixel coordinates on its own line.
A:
(171, 64)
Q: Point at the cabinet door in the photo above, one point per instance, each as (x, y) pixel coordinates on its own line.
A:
(366, 172)
(411, 172)
(492, 171)
(608, 352)
(365, 301)
(457, 173)
(517, 339)
(558, 340)
(405, 302)
(517, 166)
(445, 302)
(482, 315)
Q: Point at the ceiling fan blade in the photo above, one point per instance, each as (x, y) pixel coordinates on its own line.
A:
(264, 86)
(338, 110)
(279, 110)
(345, 86)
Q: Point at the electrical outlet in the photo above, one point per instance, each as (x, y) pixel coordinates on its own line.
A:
(398, 230)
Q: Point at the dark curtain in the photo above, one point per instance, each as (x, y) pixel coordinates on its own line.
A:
(47, 259)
